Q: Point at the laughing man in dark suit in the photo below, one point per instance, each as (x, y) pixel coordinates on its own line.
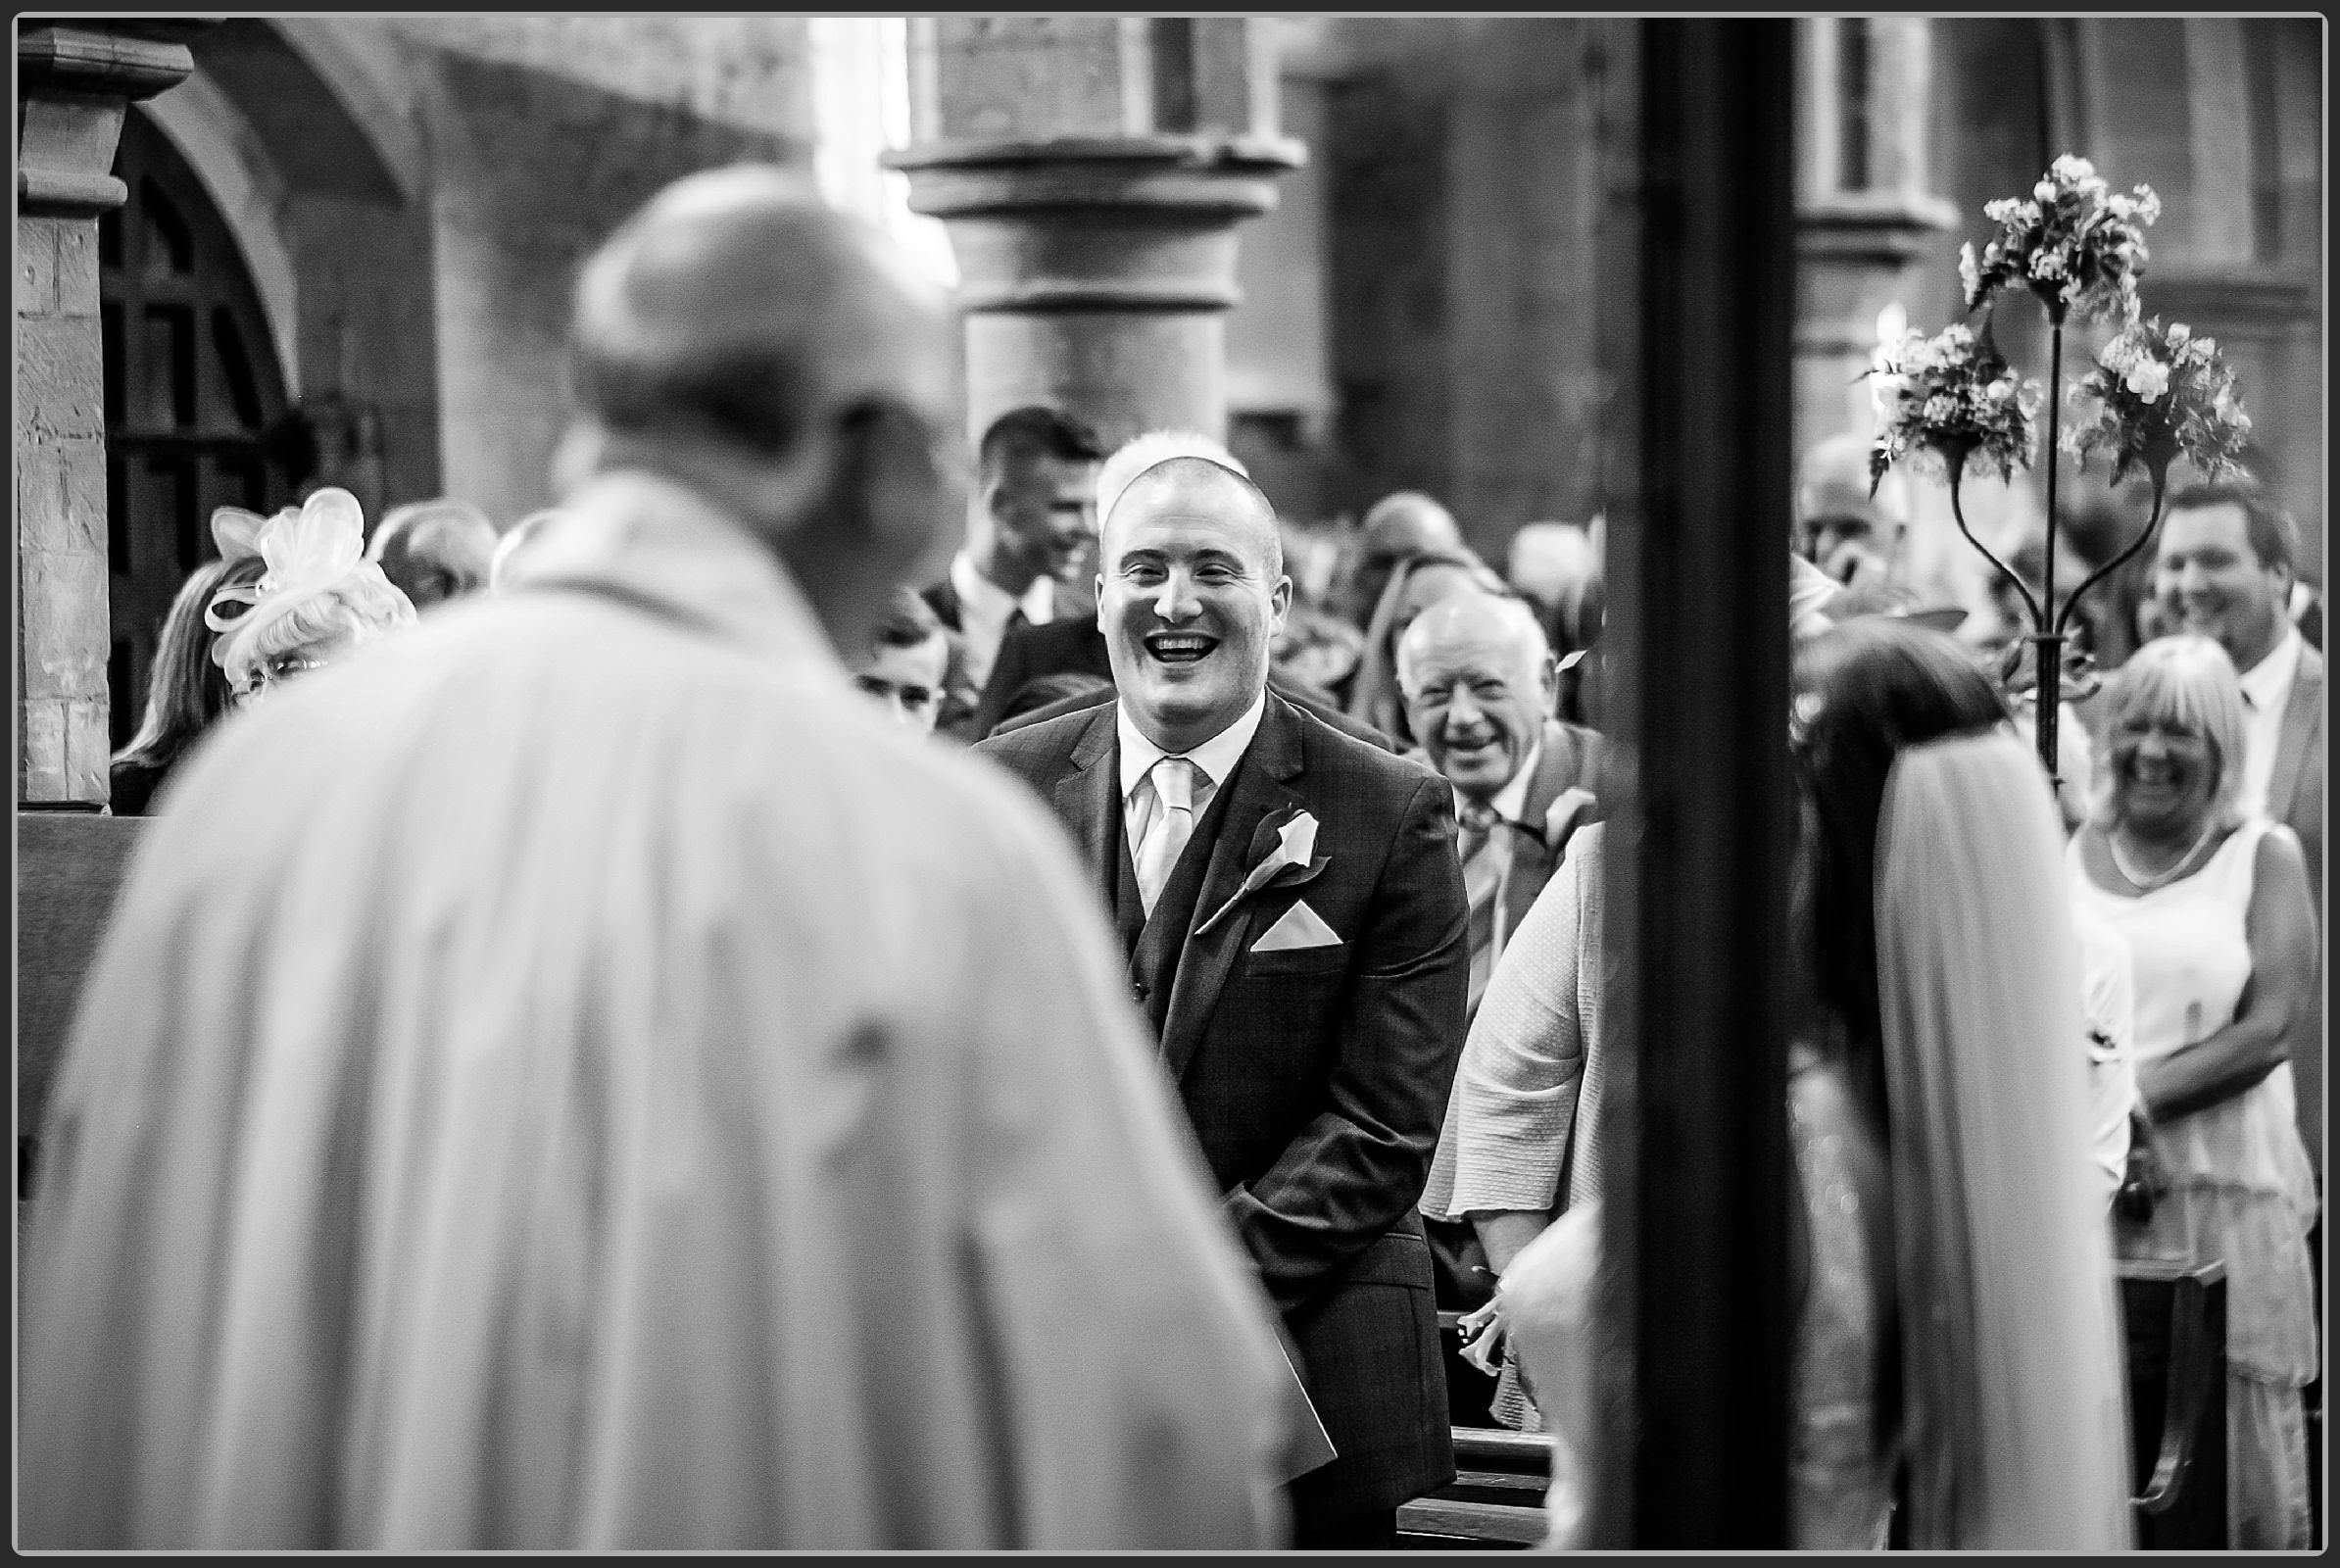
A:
(1293, 906)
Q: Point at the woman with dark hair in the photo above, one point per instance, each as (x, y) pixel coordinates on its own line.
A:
(1946, 981)
(1956, 1335)
(185, 690)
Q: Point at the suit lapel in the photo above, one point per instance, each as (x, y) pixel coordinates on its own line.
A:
(2301, 717)
(1560, 765)
(1261, 785)
(1088, 800)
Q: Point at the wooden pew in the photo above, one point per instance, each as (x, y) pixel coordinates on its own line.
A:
(69, 864)
(2173, 1318)
(1496, 1501)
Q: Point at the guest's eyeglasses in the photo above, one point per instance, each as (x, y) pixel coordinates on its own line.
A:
(274, 673)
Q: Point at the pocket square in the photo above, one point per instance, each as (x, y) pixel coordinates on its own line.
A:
(1300, 927)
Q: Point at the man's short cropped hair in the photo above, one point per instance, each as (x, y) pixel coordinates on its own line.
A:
(909, 621)
(2275, 537)
(1020, 435)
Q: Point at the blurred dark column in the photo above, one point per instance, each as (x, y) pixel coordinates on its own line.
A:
(1695, 1229)
(1093, 172)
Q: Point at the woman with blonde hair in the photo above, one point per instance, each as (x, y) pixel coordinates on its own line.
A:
(185, 691)
(2215, 906)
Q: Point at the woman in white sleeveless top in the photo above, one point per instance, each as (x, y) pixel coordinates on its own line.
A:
(2217, 912)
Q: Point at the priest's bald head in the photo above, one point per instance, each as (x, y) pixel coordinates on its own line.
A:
(785, 361)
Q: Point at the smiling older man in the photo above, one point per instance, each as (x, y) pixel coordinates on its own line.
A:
(1479, 681)
(1293, 910)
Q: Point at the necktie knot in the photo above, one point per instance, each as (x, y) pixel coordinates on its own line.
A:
(1174, 782)
(1480, 817)
(1172, 824)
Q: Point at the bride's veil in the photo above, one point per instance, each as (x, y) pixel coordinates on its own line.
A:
(2016, 1431)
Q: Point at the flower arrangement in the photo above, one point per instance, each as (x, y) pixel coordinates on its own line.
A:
(2075, 245)
(2157, 395)
(1949, 398)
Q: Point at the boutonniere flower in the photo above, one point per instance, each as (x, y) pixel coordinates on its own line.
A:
(1293, 850)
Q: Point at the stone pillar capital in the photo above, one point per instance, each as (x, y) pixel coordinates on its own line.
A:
(75, 80)
(1094, 173)
(1118, 223)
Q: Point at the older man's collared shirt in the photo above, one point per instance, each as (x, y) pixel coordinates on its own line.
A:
(1214, 760)
(2267, 692)
(986, 610)
(572, 1076)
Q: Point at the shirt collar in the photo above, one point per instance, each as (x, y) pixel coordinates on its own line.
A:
(1216, 756)
(1512, 799)
(661, 540)
(993, 604)
(2268, 683)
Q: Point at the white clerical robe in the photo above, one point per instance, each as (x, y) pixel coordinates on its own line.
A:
(574, 1076)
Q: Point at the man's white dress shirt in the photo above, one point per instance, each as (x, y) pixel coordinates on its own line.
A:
(2267, 692)
(1214, 760)
(985, 609)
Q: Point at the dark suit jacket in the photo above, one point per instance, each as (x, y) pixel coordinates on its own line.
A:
(1315, 1079)
(1572, 758)
(2295, 797)
(1069, 647)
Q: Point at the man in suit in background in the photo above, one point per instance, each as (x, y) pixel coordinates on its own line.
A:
(1479, 681)
(1292, 909)
(2223, 568)
(1031, 526)
(1480, 684)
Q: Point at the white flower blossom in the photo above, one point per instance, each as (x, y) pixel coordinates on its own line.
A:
(2148, 379)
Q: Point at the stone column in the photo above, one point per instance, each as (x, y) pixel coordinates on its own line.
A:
(1863, 208)
(75, 83)
(1093, 172)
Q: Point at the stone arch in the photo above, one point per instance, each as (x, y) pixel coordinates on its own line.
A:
(203, 124)
(287, 107)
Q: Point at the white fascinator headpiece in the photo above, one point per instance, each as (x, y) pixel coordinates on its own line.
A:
(308, 551)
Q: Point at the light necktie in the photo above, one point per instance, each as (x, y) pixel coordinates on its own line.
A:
(1483, 880)
(1172, 825)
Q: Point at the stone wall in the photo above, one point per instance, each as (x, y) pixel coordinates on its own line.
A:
(1468, 195)
(545, 133)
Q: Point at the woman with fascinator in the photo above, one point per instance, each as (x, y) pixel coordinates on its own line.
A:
(316, 598)
(1957, 1340)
